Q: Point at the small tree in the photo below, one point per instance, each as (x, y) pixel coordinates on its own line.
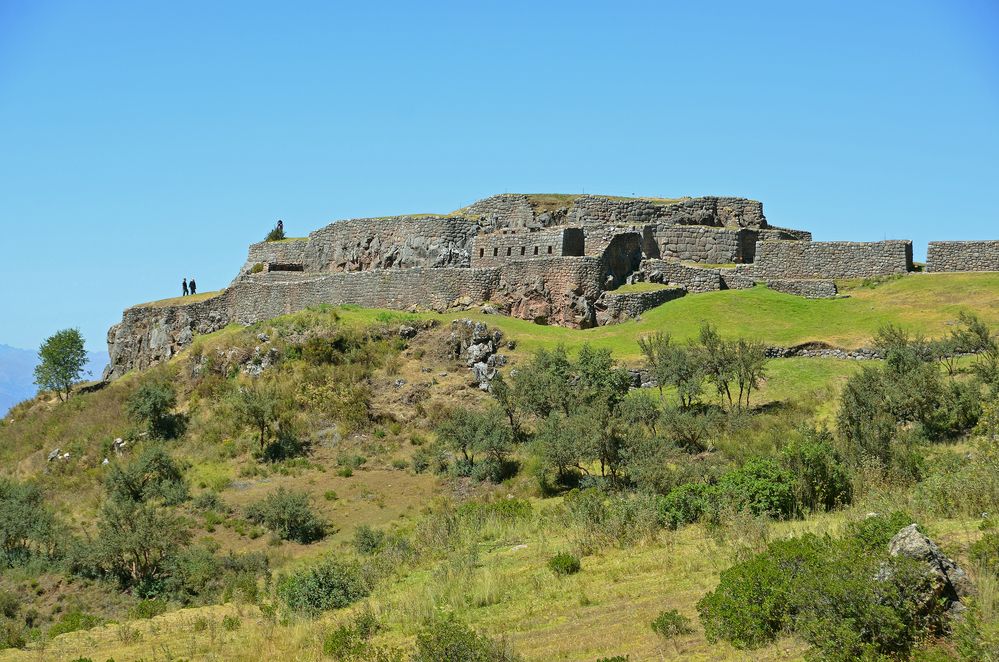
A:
(718, 359)
(750, 367)
(258, 404)
(288, 515)
(62, 359)
(152, 405)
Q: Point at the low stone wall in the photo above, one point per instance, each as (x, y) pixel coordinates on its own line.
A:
(498, 248)
(963, 256)
(613, 308)
(810, 289)
(692, 279)
(831, 259)
(733, 279)
(400, 242)
(274, 252)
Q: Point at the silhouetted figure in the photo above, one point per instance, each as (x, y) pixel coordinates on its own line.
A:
(184, 285)
(193, 286)
(280, 226)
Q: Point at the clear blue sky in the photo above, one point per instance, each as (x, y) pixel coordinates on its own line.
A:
(144, 141)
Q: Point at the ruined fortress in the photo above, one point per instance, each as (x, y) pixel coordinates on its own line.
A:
(553, 259)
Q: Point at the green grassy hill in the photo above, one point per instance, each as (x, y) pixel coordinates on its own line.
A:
(371, 407)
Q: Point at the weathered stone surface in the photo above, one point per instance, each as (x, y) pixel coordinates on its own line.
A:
(962, 256)
(831, 259)
(808, 288)
(692, 279)
(950, 582)
(614, 308)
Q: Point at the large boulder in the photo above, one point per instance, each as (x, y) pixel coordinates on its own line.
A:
(949, 582)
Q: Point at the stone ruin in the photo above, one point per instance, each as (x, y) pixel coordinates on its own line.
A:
(553, 259)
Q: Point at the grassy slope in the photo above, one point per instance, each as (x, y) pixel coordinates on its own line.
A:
(605, 609)
(926, 303)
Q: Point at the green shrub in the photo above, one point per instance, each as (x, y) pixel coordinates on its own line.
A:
(12, 635)
(689, 503)
(671, 624)
(446, 638)
(152, 475)
(288, 515)
(564, 564)
(328, 585)
(152, 405)
(10, 604)
(257, 268)
(276, 234)
(231, 623)
(350, 641)
(74, 620)
(848, 598)
(823, 480)
(368, 540)
(762, 487)
(985, 552)
(148, 608)
(27, 525)
(345, 472)
(210, 502)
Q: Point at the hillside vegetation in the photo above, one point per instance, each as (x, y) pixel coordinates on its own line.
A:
(331, 484)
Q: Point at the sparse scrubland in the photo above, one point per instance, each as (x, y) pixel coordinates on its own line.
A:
(320, 487)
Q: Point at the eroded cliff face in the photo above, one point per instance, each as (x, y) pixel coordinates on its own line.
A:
(150, 334)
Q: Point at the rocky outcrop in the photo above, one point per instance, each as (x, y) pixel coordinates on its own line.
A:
(477, 347)
(150, 334)
(949, 583)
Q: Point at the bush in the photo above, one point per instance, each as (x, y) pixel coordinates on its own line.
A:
(276, 234)
(848, 598)
(446, 638)
(689, 503)
(288, 515)
(73, 621)
(151, 404)
(564, 564)
(152, 475)
(985, 552)
(670, 624)
(329, 585)
(823, 481)
(350, 641)
(368, 540)
(762, 487)
(148, 608)
(231, 623)
(27, 526)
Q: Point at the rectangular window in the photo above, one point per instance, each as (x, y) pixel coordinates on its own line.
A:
(549, 250)
(523, 250)
(509, 251)
(535, 250)
(495, 252)
(482, 252)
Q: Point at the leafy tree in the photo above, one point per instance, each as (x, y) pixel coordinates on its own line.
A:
(467, 432)
(718, 360)
(673, 365)
(27, 526)
(152, 404)
(260, 405)
(135, 541)
(61, 362)
(750, 367)
(153, 475)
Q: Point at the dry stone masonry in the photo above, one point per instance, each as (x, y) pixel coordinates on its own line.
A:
(552, 258)
(962, 256)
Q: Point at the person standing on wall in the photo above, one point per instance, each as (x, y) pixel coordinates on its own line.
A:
(194, 287)
(184, 285)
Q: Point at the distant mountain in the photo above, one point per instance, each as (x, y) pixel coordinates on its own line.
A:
(17, 378)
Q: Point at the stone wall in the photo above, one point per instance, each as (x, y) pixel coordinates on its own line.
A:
(810, 289)
(698, 243)
(401, 242)
(692, 279)
(559, 291)
(621, 257)
(728, 212)
(498, 248)
(290, 251)
(831, 259)
(613, 308)
(962, 256)
(509, 210)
